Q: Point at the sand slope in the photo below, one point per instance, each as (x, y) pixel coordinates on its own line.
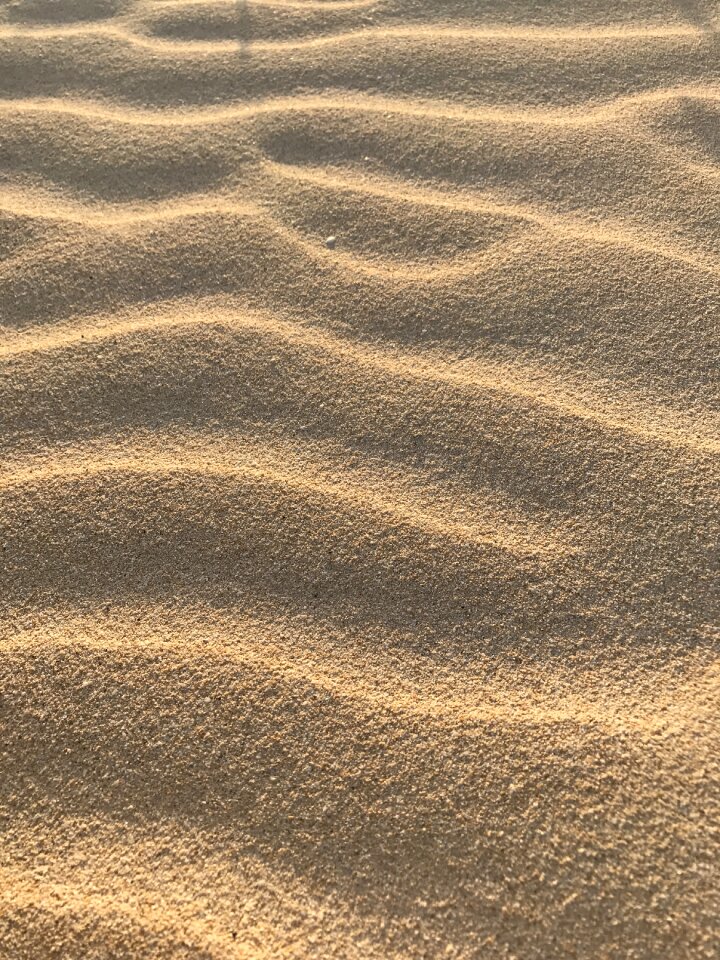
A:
(359, 600)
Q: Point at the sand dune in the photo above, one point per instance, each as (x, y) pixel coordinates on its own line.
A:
(359, 596)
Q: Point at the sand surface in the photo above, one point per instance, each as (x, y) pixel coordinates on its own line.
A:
(359, 596)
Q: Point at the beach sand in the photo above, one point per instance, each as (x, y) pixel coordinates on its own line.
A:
(360, 476)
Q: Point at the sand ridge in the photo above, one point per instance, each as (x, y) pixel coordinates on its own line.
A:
(359, 596)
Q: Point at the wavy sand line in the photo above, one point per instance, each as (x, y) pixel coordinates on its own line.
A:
(36, 903)
(435, 34)
(280, 467)
(586, 116)
(602, 232)
(230, 914)
(40, 205)
(395, 271)
(47, 206)
(380, 688)
(304, 5)
(533, 385)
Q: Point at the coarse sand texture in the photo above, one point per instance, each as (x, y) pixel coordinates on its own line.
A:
(360, 479)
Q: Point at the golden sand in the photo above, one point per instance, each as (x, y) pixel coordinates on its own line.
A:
(360, 479)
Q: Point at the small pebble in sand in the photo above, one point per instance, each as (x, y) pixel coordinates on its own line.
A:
(330, 243)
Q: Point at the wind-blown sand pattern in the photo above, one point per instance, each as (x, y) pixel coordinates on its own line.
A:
(360, 598)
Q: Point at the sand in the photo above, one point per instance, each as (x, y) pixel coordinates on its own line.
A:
(359, 479)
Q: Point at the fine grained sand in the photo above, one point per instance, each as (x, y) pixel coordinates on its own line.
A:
(360, 599)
